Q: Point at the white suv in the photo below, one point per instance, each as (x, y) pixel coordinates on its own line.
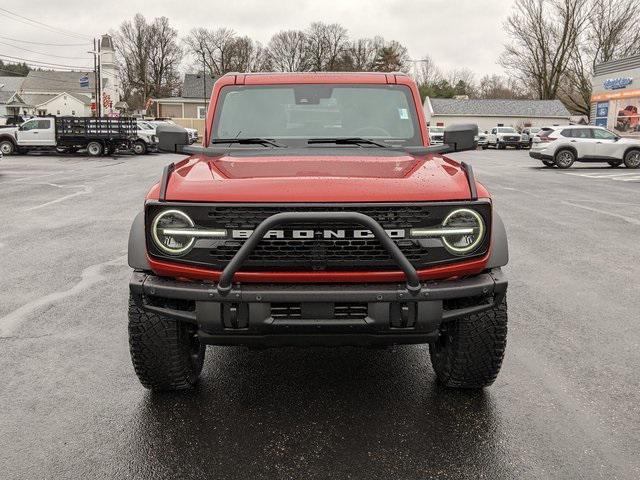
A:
(563, 145)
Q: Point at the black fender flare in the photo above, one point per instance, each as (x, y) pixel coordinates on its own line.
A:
(499, 244)
(137, 253)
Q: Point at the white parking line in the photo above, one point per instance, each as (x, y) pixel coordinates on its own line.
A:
(631, 220)
(85, 189)
(621, 177)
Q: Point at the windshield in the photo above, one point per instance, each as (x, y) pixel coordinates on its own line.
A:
(436, 129)
(294, 114)
(506, 130)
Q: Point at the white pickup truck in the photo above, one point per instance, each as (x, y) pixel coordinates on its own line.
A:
(503, 137)
(70, 134)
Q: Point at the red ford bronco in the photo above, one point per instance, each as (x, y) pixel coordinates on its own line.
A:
(316, 213)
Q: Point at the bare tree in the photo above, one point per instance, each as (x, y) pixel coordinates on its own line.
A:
(544, 35)
(360, 55)
(165, 56)
(287, 51)
(325, 45)
(425, 71)
(148, 57)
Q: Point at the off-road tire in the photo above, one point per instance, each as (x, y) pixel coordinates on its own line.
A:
(564, 158)
(95, 149)
(614, 164)
(139, 147)
(470, 350)
(165, 353)
(549, 163)
(7, 147)
(632, 159)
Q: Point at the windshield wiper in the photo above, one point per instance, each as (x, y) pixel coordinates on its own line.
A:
(248, 141)
(349, 141)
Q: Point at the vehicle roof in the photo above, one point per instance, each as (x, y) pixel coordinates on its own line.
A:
(575, 126)
(260, 78)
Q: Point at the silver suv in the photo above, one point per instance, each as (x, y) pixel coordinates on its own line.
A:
(560, 146)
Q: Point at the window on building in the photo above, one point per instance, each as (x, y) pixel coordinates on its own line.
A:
(105, 82)
(73, 112)
(202, 112)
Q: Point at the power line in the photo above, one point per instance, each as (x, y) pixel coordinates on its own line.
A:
(41, 24)
(42, 53)
(45, 43)
(45, 64)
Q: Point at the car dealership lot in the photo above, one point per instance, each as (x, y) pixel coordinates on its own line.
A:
(565, 405)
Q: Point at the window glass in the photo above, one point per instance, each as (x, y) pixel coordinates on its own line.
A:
(30, 125)
(507, 130)
(43, 124)
(601, 134)
(581, 133)
(290, 112)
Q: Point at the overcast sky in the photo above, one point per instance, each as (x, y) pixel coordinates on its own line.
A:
(461, 33)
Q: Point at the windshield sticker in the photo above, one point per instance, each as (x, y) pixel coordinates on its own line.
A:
(404, 113)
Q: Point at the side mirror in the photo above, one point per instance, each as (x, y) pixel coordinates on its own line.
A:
(171, 138)
(461, 137)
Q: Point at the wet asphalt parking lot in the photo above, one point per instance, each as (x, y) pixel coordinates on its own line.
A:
(566, 405)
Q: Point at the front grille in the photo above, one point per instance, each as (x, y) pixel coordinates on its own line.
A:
(318, 253)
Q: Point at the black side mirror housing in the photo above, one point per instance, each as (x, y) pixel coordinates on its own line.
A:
(171, 138)
(461, 137)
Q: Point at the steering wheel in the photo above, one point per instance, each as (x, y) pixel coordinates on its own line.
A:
(373, 131)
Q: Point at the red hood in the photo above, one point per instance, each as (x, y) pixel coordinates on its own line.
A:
(286, 178)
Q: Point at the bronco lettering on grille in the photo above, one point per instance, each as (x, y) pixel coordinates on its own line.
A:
(312, 234)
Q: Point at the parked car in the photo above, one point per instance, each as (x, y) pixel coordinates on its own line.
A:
(147, 140)
(503, 137)
(436, 135)
(193, 133)
(527, 134)
(103, 135)
(561, 146)
(355, 241)
(483, 139)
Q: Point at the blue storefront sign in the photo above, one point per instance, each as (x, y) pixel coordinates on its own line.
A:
(601, 122)
(617, 83)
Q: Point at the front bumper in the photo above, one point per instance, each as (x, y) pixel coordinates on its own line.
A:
(317, 314)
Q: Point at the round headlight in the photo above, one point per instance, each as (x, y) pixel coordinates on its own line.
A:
(170, 242)
(466, 219)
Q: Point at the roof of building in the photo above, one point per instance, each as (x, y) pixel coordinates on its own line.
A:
(614, 66)
(192, 87)
(5, 96)
(10, 83)
(35, 100)
(56, 82)
(497, 107)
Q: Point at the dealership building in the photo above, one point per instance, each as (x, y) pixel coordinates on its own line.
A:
(615, 102)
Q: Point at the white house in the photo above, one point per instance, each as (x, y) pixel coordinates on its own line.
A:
(495, 112)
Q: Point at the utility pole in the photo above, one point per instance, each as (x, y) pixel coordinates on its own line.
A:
(96, 78)
(99, 84)
(204, 82)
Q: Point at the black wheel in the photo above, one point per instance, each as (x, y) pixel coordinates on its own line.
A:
(61, 149)
(614, 164)
(632, 159)
(500, 146)
(517, 147)
(470, 350)
(7, 147)
(94, 149)
(166, 353)
(139, 147)
(484, 147)
(564, 158)
(548, 163)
